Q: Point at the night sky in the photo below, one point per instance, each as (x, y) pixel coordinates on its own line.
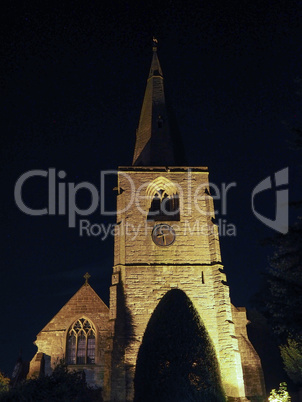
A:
(72, 84)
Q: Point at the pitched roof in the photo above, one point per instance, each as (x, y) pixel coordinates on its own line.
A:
(84, 302)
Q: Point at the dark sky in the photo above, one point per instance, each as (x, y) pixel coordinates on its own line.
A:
(73, 79)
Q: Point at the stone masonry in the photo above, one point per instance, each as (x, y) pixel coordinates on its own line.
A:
(51, 341)
(143, 272)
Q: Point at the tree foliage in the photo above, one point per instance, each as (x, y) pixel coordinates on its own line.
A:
(62, 385)
(283, 297)
(291, 354)
(4, 383)
(280, 395)
(285, 284)
(284, 277)
(176, 360)
(284, 300)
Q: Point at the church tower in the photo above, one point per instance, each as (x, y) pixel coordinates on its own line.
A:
(166, 239)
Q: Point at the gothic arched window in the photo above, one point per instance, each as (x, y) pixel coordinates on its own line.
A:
(164, 207)
(81, 343)
(164, 200)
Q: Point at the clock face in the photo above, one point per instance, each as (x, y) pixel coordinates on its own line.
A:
(163, 235)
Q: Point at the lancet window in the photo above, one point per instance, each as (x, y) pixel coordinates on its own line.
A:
(81, 343)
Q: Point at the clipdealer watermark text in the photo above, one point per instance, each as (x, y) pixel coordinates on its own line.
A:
(103, 231)
(63, 199)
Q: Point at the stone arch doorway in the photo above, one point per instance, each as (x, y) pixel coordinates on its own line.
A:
(176, 360)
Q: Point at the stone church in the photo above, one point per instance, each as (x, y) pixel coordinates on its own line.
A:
(175, 246)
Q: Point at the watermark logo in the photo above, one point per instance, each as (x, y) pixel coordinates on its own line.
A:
(133, 231)
(280, 223)
(158, 195)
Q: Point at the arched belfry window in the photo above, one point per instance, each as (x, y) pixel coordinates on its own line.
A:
(164, 200)
(81, 343)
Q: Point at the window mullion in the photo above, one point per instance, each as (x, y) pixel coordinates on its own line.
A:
(78, 341)
(76, 349)
(86, 348)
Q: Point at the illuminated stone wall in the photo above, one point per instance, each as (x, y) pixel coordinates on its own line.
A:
(143, 272)
(51, 341)
(251, 364)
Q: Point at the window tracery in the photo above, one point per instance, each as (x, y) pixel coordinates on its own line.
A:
(81, 343)
(164, 200)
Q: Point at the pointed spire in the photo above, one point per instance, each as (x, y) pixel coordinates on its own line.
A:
(155, 69)
(154, 144)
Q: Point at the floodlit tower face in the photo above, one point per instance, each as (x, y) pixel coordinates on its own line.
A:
(166, 217)
(155, 256)
(165, 239)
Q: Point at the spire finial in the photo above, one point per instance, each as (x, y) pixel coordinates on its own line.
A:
(86, 277)
(155, 44)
